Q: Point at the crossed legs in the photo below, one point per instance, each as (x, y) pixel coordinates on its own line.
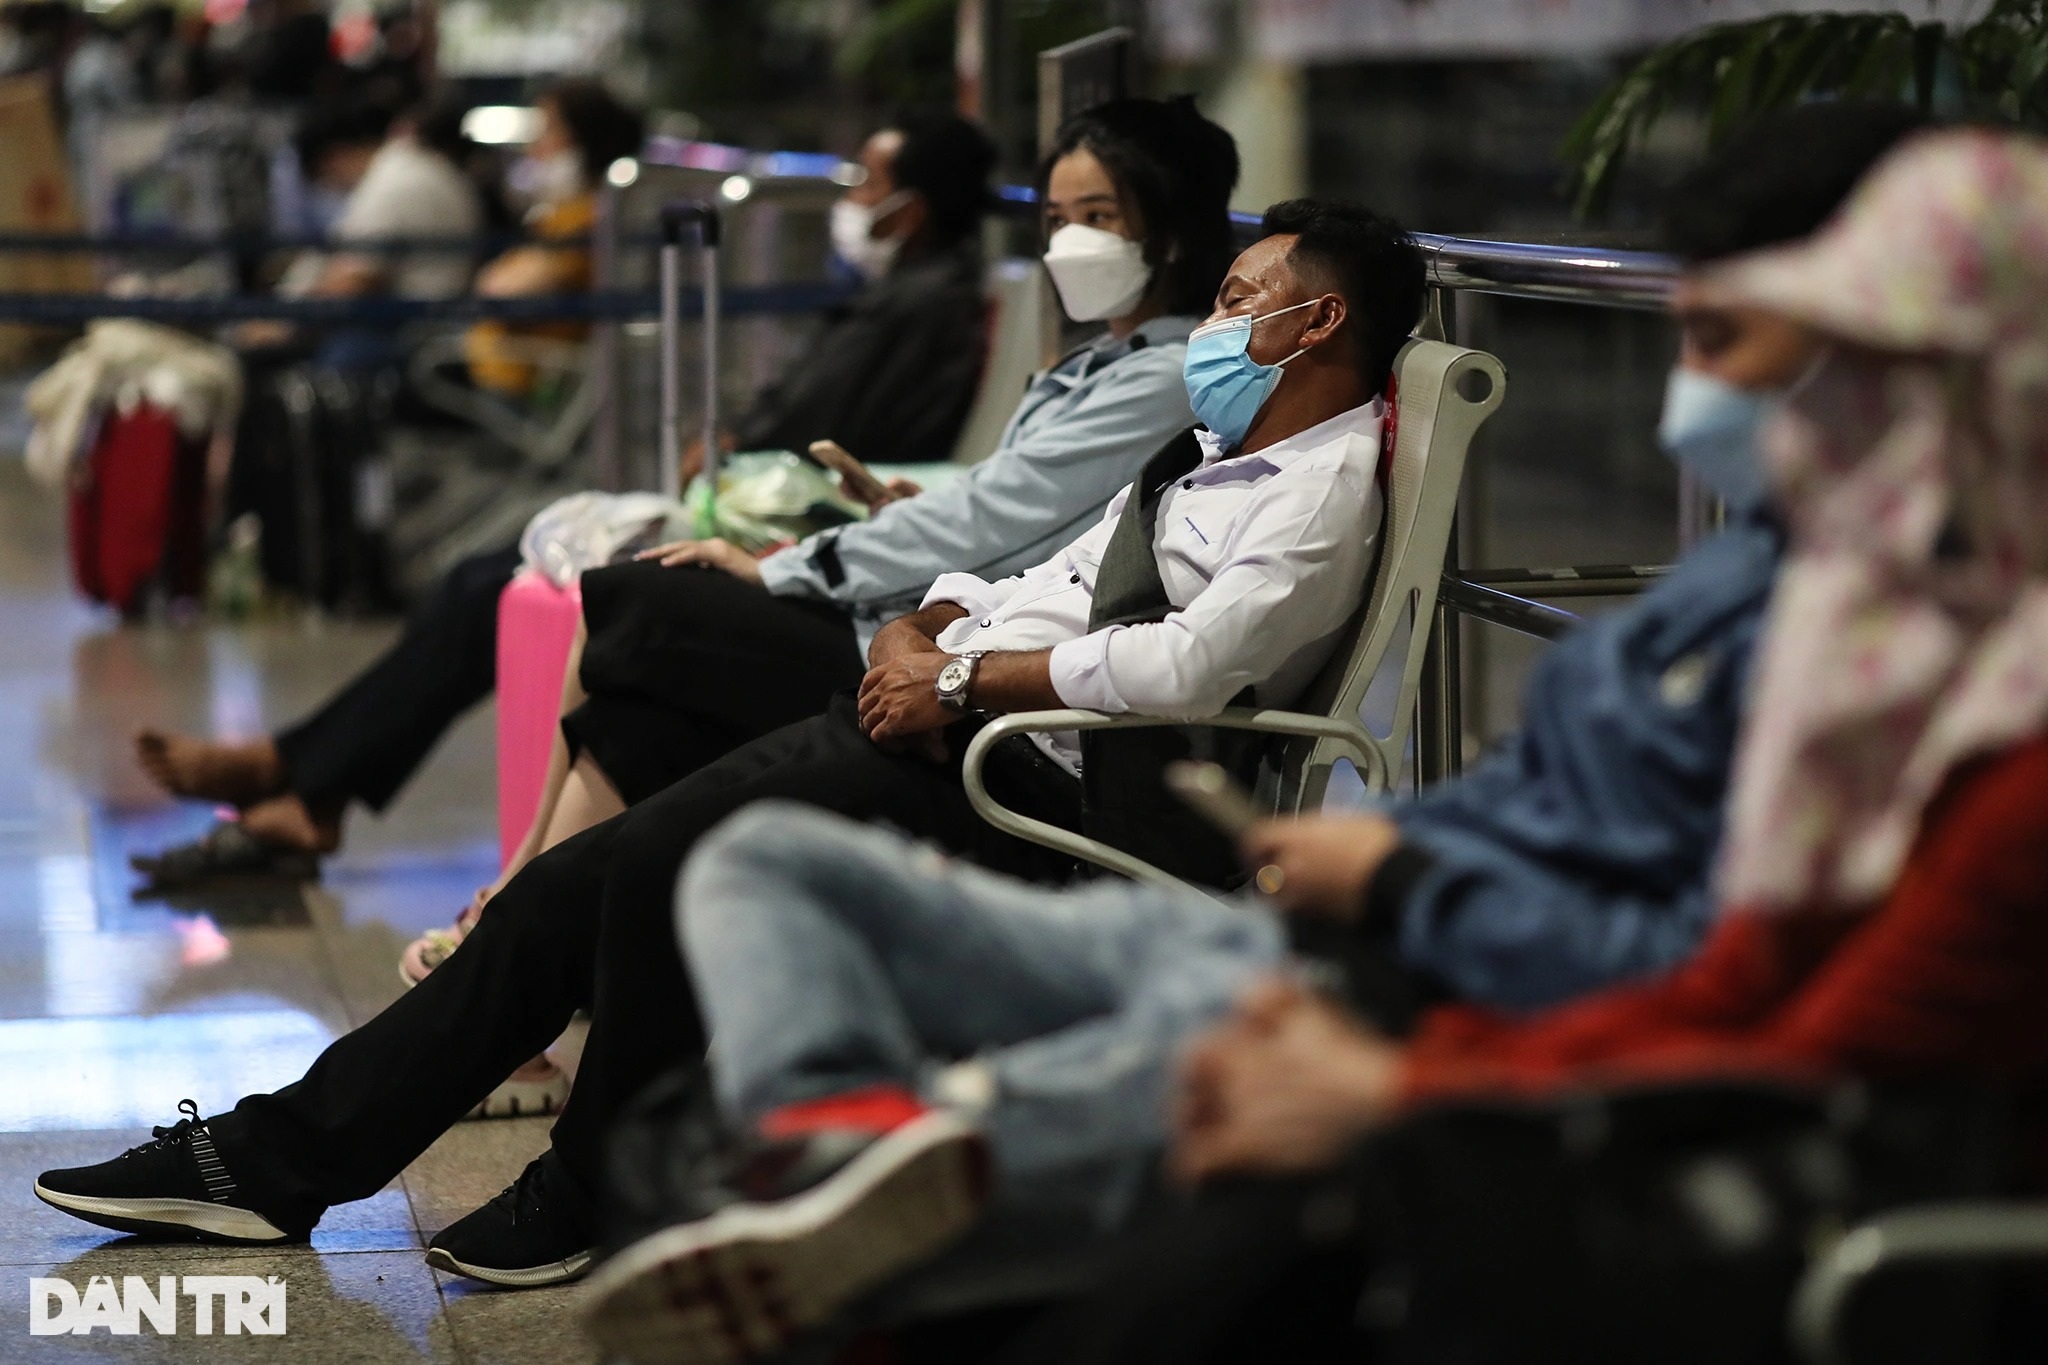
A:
(829, 956)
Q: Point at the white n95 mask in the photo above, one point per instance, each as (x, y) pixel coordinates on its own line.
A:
(852, 225)
(1098, 274)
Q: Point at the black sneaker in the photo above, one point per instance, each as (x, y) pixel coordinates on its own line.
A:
(530, 1235)
(175, 1187)
(798, 1229)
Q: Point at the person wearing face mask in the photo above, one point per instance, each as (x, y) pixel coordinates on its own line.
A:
(891, 373)
(583, 129)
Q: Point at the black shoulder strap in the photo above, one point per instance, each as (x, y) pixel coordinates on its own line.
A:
(1128, 588)
(1124, 801)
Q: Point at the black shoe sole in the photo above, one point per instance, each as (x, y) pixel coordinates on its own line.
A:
(171, 1219)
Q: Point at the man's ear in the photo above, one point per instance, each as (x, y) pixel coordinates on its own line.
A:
(1324, 320)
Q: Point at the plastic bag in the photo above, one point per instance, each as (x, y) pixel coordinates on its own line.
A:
(589, 530)
(764, 498)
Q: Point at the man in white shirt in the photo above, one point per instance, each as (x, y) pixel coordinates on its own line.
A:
(407, 185)
(1230, 565)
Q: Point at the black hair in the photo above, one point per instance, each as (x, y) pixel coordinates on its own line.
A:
(1781, 178)
(437, 126)
(325, 128)
(1370, 260)
(1177, 170)
(603, 127)
(948, 160)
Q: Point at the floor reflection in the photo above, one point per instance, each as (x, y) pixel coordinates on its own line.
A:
(129, 1071)
(113, 1007)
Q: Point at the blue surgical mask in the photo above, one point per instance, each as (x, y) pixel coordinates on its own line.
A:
(1710, 428)
(1226, 387)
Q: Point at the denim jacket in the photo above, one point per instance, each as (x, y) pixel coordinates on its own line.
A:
(1084, 430)
(1579, 853)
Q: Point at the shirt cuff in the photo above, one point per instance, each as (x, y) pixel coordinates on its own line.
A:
(1080, 673)
(1393, 886)
(789, 573)
(977, 595)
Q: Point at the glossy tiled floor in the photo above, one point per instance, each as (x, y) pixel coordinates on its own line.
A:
(113, 1010)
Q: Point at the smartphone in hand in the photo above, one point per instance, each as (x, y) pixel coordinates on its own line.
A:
(1214, 795)
(860, 480)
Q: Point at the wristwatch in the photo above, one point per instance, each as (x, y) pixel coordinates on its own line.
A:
(956, 679)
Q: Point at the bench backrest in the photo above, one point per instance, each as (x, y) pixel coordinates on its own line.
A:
(1445, 393)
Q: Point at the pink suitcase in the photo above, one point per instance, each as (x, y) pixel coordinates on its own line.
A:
(536, 626)
(536, 619)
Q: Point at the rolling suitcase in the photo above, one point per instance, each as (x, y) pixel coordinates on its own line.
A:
(536, 619)
(137, 514)
(305, 465)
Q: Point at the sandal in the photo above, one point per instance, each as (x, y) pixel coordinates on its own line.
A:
(431, 949)
(227, 850)
(516, 1098)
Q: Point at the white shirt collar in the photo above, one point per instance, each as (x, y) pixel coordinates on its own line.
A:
(1363, 420)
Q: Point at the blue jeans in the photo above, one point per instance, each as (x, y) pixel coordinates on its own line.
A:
(830, 955)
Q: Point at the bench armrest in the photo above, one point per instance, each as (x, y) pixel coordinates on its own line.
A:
(1356, 741)
(1980, 1230)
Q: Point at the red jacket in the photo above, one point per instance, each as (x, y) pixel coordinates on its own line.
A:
(1949, 977)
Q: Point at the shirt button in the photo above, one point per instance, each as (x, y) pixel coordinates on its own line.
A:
(1075, 579)
(987, 621)
(1189, 484)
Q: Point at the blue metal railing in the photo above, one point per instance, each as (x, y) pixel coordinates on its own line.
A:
(618, 305)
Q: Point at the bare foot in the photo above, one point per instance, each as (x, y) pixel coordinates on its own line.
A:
(287, 822)
(539, 1069)
(210, 770)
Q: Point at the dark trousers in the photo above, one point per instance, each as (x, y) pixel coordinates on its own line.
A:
(1251, 1270)
(682, 666)
(592, 923)
(366, 742)
(1657, 1225)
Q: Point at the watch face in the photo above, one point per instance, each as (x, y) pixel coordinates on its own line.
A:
(953, 677)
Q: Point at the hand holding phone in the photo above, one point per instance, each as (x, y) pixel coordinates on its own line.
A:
(1214, 795)
(860, 481)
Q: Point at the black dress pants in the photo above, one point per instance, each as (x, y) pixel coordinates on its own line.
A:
(682, 666)
(591, 923)
(366, 742)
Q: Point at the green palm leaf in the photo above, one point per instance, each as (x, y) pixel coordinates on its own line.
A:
(1731, 73)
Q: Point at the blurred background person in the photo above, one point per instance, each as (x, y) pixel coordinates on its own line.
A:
(583, 130)
(399, 178)
(286, 53)
(901, 359)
